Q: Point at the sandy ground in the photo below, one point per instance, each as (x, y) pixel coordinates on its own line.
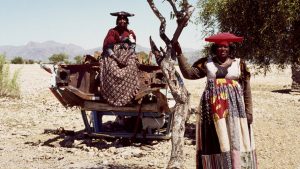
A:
(24, 144)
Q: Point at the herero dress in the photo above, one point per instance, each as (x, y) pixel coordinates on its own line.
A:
(224, 137)
(119, 84)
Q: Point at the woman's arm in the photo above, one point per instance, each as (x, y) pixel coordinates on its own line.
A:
(109, 41)
(196, 71)
(245, 82)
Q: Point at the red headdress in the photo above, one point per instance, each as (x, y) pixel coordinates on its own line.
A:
(224, 38)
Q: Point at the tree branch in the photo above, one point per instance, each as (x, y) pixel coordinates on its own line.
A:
(172, 3)
(174, 81)
(162, 27)
(182, 19)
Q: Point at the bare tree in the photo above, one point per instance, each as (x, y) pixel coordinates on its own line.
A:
(166, 60)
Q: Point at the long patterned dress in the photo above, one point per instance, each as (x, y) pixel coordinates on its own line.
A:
(224, 136)
(119, 81)
(119, 85)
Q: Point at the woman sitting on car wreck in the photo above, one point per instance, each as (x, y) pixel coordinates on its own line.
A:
(118, 65)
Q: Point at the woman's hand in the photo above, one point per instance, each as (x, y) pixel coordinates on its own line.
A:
(249, 118)
(119, 62)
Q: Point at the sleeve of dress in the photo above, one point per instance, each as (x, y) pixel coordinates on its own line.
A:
(245, 81)
(109, 41)
(133, 34)
(196, 71)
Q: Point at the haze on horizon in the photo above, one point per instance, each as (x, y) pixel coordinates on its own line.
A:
(85, 23)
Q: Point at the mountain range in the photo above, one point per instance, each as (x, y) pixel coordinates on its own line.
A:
(43, 50)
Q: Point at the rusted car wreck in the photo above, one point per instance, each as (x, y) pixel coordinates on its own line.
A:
(147, 115)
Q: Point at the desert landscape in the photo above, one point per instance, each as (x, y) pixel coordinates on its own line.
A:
(25, 144)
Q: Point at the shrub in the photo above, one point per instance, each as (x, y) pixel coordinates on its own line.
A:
(143, 58)
(29, 61)
(17, 60)
(8, 87)
(78, 59)
(61, 57)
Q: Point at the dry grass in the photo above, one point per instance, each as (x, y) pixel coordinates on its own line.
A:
(9, 86)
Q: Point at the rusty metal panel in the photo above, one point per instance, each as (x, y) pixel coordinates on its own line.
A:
(81, 82)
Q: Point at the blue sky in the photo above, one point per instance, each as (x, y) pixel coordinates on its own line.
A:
(85, 22)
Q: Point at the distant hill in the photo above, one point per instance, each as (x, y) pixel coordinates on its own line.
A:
(193, 56)
(42, 51)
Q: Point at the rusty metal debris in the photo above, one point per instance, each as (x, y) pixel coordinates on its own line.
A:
(78, 85)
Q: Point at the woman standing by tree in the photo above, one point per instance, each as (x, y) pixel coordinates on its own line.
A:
(224, 133)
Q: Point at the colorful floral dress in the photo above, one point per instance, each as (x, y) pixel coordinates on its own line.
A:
(224, 133)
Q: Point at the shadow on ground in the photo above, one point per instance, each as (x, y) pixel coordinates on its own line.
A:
(190, 131)
(120, 167)
(283, 91)
(78, 139)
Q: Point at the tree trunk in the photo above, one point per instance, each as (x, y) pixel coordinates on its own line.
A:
(295, 77)
(182, 98)
(178, 129)
(166, 60)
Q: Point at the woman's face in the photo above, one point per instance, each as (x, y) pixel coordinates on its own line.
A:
(223, 51)
(122, 22)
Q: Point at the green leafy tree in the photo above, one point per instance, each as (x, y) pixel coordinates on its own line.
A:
(61, 57)
(271, 29)
(78, 59)
(17, 60)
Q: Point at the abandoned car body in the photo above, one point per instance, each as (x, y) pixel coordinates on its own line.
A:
(147, 115)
